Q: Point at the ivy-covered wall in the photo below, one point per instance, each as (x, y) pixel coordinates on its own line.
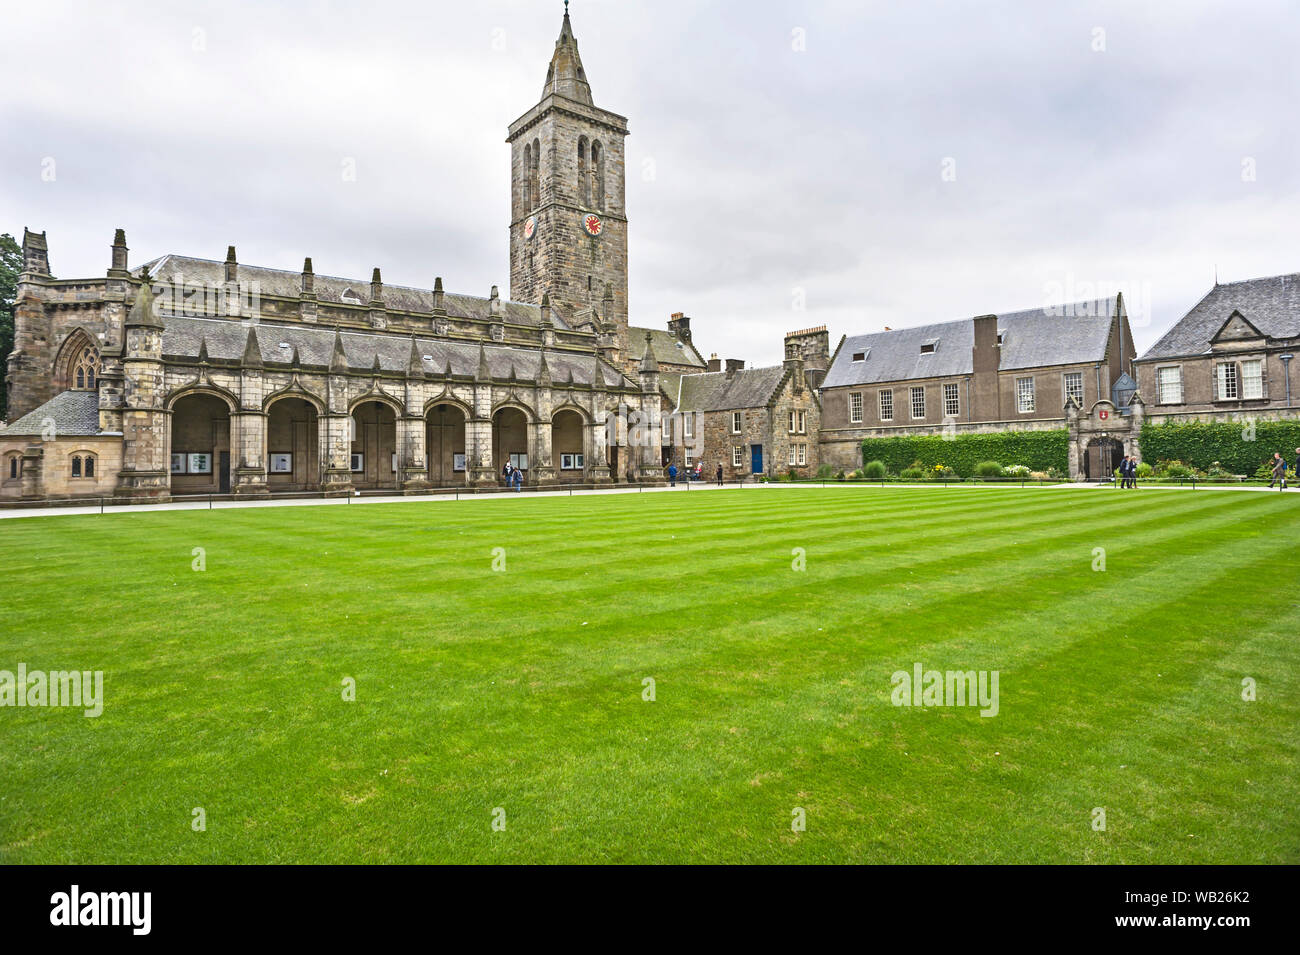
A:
(1241, 446)
(1038, 450)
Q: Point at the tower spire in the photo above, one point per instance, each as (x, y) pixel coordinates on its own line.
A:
(565, 76)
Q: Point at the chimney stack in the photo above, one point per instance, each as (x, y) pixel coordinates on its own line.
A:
(714, 363)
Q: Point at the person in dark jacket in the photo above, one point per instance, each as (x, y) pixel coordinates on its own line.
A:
(1279, 472)
(672, 475)
(1123, 473)
(719, 475)
(517, 478)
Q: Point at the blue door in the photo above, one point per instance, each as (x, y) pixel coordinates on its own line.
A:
(756, 458)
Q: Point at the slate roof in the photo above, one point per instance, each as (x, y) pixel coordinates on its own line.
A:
(714, 391)
(226, 340)
(1271, 304)
(75, 413)
(328, 288)
(667, 347)
(1067, 335)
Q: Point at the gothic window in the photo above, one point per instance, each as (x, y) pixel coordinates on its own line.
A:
(528, 177)
(584, 174)
(15, 467)
(534, 175)
(83, 465)
(81, 367)
(598, 175)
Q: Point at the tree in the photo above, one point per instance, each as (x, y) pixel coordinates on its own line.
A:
(11, 264)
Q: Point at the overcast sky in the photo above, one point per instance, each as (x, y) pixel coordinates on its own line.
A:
(790, 163)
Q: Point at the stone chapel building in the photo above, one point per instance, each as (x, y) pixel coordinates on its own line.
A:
(188, 375)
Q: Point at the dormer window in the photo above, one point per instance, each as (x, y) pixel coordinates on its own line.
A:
(859, 356)
(927, 348)
(350, 296)
(999, 338)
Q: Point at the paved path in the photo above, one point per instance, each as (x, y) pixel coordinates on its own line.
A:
(204, 505)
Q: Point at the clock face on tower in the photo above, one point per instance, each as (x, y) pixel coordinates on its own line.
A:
(591, 222)
(530, 227)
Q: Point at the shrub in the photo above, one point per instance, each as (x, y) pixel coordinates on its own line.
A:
(911, 474)
(1145, 470)
(1039, 475)
(1239, 447)
(875, 470)
(1038, 450)
(839, 475)
(1017, 471)
(1173, 469)
(825, 472)
(941, 472)
(856, 475)
(988, 469)
(1056, 474)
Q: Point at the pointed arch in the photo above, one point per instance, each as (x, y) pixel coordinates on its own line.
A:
(584, 174)
(294, 391)
(216, 391)
(77, 367)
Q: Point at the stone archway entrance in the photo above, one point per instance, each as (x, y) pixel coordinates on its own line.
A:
(510, 441)
(200, 445)
(1102, 458)
(445, 445)
(292, 445)
(374, 446)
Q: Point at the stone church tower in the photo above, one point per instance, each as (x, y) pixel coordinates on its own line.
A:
(568, 221)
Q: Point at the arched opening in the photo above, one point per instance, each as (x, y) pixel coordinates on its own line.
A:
(534, 175)
(292, 445)
(510, 441)
(584, 183)
(598, 175)
(567, 446)
(445, 445)
(200, 445)
(77, 367)
(1102, 458)
(527, 177)
(374, 446)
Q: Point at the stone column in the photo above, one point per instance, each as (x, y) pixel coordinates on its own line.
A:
(597, 464)
(334, 444)
(413, 468)
(248, 447)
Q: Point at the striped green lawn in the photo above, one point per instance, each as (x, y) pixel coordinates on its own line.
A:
(522, 688)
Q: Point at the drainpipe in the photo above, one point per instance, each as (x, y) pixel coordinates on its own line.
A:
(1286, 374)
(1097, 368)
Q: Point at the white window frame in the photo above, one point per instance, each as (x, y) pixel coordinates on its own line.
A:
(688, 424)
(1065, 385)
(1025, 403)
(855, 407)
(792, 455)
(737, 422)
(803, 454)
(1226, 379)
(1256, 380)
(792, 420)
(737, 455)
(887, 397)
(951, 399)
(1162, 386)
(918, 392)
(803, 422)
(689, 458)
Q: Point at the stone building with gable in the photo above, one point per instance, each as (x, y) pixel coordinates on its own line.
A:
(1068, 366)
(188, 375)
(754, 422)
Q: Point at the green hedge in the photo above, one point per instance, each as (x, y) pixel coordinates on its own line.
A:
(1039, 450)
(1201, 443)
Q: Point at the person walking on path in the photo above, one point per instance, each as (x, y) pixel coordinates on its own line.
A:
(1123, 473)
(672, 475)
(1279, 472)
(518, 477)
